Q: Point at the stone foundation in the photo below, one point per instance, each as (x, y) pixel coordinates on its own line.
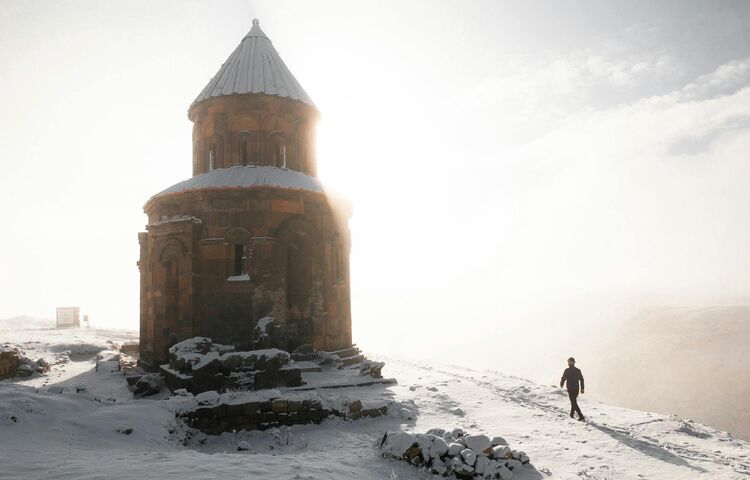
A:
(271, 413)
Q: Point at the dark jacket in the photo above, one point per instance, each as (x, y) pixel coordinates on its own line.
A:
(572, 375)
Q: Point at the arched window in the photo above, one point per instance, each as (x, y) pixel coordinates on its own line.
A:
(248, 149)
(239, 259)
(239, 240)
(214, 153)
(278, 151)
(212, 157)
(244, 153)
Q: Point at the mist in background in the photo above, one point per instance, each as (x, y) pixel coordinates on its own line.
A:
(526, 176)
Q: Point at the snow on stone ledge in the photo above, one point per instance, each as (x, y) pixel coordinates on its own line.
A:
(245, 277)
(246, 177)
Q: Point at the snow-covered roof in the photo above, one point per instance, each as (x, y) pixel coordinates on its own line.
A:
(246, 177)
(255, 67)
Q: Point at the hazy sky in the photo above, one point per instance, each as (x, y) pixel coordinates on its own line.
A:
(515, 167)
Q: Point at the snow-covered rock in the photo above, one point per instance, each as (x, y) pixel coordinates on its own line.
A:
(461, 469)
(481, 465)
(501, 452)
(148, 385)
(469, 456)
(24, 370)
(498, 441)
(243, 446)
(438, 446)
(454, 449)
(208, 398)
(504, 472)
(478, 443)
(397, 443)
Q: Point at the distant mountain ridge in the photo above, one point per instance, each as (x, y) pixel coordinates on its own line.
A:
(693, 362)
(27, 321)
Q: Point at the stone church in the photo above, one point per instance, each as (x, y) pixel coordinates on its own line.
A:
(252, 235)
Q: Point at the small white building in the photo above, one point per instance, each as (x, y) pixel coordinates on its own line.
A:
(68, 317)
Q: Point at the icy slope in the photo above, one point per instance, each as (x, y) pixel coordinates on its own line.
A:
(95, 429)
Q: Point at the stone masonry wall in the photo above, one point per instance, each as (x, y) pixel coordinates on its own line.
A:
(214, 420)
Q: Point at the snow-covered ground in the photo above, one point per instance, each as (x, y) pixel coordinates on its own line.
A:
(79, 422)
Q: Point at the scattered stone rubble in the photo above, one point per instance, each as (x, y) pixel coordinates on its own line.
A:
(14, 363)
(455, 453)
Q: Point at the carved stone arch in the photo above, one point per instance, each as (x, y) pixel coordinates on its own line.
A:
(172, 250)
(247, 121)
(246, 144)
(238, 235)
(272, 121)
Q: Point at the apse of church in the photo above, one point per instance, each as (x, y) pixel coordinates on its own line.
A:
(252, 236)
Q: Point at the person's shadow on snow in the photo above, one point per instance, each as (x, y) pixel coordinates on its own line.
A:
(647, 448)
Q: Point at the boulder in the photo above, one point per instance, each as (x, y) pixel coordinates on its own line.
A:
(501, 452)
(478, 443)
(514, 464)
(455, 449)
(24, 370)
(148, 385)
(461, 469)
(469, 456)
(481, 465)
(397, 443)
(438, 467)
(438, 446)
(243, 446)
(504, 472)
(498, 441)
(208, 398)
(42, 365)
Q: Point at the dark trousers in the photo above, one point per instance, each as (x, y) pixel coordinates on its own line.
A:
(573, 394)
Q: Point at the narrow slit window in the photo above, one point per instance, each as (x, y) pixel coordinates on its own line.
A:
(239, 252)
(212, 157)
(243, 153)
(279, 154)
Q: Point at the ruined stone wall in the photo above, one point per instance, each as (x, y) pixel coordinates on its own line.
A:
(8, 363)
(263, 415)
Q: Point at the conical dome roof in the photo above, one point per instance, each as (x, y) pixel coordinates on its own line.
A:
(255, 67)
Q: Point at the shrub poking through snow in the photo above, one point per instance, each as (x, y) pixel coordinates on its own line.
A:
(455, 453)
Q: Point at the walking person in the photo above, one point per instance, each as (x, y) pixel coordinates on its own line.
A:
(573, 377)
